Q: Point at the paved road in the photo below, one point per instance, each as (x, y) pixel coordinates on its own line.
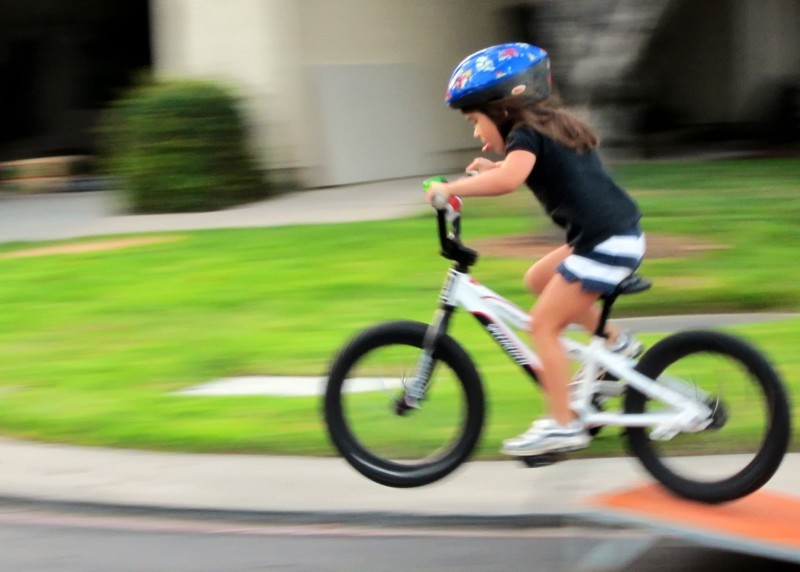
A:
(36, 541)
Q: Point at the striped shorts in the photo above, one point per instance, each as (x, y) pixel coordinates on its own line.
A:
(607, 264)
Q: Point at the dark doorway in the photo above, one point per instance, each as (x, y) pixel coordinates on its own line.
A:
(60, 65)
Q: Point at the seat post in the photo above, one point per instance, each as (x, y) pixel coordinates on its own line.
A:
(632, 284)
(608, 302)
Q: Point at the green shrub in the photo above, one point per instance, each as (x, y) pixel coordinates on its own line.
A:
(180, 146)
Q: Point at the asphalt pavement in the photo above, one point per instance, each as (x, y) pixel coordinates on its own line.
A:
(290, 488)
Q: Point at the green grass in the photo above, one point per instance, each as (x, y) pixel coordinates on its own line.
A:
(94, 344)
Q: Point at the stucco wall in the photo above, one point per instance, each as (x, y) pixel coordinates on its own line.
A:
(251, 44)
(407, 50)
(350, 90)
(280, 50)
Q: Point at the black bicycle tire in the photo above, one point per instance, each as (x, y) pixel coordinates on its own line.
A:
(384, 471)
(776, 440)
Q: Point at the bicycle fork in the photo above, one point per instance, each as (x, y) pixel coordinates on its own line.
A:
(415, 391)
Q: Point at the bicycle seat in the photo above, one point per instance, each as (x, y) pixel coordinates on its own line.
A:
(631, 285)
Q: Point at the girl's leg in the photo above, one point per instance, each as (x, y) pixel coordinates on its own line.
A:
(542, 272)
(560, 304)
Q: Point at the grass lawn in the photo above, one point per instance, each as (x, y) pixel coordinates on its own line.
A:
(94, 343)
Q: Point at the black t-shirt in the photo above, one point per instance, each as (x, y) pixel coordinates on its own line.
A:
(575, 190)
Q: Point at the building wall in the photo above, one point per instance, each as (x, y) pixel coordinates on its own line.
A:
(251, 44)
(767, 56)
(343, 91)
(721, 61)
(690, 64)
(400, 55)
(349, 90)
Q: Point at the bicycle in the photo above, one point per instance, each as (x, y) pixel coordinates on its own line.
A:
(671, 399)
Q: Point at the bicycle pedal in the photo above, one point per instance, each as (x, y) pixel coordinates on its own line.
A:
(543, 460)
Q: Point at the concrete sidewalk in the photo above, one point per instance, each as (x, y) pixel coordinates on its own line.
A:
(72, 215)
(300, 489)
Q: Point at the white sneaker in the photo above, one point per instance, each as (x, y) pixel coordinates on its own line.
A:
(627, 345)
(547, 436)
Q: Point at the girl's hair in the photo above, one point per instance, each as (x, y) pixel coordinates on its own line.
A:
(546, 116)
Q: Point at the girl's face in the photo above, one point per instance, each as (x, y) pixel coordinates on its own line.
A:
(487, 132)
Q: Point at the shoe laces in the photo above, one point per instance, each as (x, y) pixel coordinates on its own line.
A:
(538, 426)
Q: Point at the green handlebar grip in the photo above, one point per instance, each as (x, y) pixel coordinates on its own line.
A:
(426, 184)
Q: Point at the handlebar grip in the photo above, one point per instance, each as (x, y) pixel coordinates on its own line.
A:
(451, 204)
(426, 184)
(439, 201)
(443, 202)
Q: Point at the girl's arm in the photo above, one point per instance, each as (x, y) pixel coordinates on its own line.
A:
(481, 164)
(507, 177)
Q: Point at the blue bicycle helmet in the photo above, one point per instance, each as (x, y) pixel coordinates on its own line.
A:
(497, 72)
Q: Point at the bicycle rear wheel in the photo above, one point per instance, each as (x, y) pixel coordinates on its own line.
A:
(411, 447)
(750, 426)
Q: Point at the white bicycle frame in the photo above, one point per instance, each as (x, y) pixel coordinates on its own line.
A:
(687, 409)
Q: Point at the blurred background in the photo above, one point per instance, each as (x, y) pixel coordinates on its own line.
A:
(338, 92)
(200, 105)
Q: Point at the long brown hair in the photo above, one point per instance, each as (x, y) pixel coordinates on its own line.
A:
(547, 117)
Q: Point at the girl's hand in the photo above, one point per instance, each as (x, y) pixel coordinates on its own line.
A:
(437, 188)
(481, 164)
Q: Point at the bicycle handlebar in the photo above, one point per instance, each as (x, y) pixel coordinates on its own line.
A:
(448, 212)
(443, 202)
(439, 201)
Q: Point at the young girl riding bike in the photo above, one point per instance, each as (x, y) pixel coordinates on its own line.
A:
(505, 92)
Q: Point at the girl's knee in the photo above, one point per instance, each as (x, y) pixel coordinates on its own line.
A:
(536, 279)
(538, 275)
(527, 280)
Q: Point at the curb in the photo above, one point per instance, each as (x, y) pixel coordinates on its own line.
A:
(387, 519)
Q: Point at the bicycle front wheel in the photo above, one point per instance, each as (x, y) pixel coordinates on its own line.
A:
(750, 424)
(402, 448)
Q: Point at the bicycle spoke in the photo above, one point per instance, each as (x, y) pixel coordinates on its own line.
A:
(748, 426)
(418, 434)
